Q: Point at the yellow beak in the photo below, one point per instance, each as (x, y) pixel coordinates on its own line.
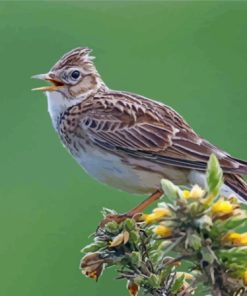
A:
(56, 84)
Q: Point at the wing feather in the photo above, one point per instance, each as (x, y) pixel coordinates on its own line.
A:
(146, 129)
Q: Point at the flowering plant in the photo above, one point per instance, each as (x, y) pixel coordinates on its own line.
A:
(194, 230)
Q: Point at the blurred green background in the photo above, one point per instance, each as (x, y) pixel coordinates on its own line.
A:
(191, 55)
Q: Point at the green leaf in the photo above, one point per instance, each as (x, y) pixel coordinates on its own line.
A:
(165, 272)
(222, 226)
(177, 285)
(214, 175)
(94, 247)
(112, 227)
(134, 237)
(153, 281)
(129, 224)
(135, 258)
(208, 255)
(171, 191)
(236, 268)
(233, 254)
(195, 242)
(234, 222)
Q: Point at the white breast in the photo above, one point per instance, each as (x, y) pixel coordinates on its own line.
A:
(108, 169)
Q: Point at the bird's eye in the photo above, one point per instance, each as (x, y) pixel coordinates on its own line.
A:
(75, 74)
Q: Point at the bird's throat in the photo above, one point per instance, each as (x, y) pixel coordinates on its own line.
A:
(58, 104)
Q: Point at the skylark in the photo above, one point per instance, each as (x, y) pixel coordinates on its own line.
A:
(126, 140)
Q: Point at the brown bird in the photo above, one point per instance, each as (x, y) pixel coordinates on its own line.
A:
(126, 140)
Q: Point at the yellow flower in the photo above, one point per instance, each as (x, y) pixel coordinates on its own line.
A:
(156, 215)
(239, 239)
(245, 277)
(195, 193)
(222, 207)
(163, 231)
(186, 194)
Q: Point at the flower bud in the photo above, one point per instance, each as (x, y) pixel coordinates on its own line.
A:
(92, 265)
(133, 288)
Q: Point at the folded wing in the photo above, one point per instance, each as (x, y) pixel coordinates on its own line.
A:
(149, 130)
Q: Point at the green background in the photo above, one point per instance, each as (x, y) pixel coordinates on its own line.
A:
(191, 55)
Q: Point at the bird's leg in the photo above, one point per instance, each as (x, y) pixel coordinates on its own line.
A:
(134, 212)
(143, 205)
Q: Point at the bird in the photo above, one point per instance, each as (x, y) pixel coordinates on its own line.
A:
(126, 140)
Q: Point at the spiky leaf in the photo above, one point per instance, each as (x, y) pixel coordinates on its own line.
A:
(214, 175)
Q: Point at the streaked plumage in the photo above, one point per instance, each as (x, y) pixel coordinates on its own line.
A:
(126, 140)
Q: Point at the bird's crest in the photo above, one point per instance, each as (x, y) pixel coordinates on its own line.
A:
(74, 57)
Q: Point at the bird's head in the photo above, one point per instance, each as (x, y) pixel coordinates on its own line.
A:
(74, 75)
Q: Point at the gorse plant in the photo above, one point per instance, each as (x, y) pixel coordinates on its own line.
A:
(195, 230)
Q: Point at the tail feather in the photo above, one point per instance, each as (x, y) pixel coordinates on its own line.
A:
(238, 185)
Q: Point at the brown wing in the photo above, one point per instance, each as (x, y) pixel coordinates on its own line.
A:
(150, 130)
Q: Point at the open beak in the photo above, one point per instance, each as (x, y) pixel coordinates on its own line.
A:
(56, 84)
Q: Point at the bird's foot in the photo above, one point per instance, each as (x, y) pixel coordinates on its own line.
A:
(135, 213)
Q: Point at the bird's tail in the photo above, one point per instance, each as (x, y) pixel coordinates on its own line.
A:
(238, 185)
